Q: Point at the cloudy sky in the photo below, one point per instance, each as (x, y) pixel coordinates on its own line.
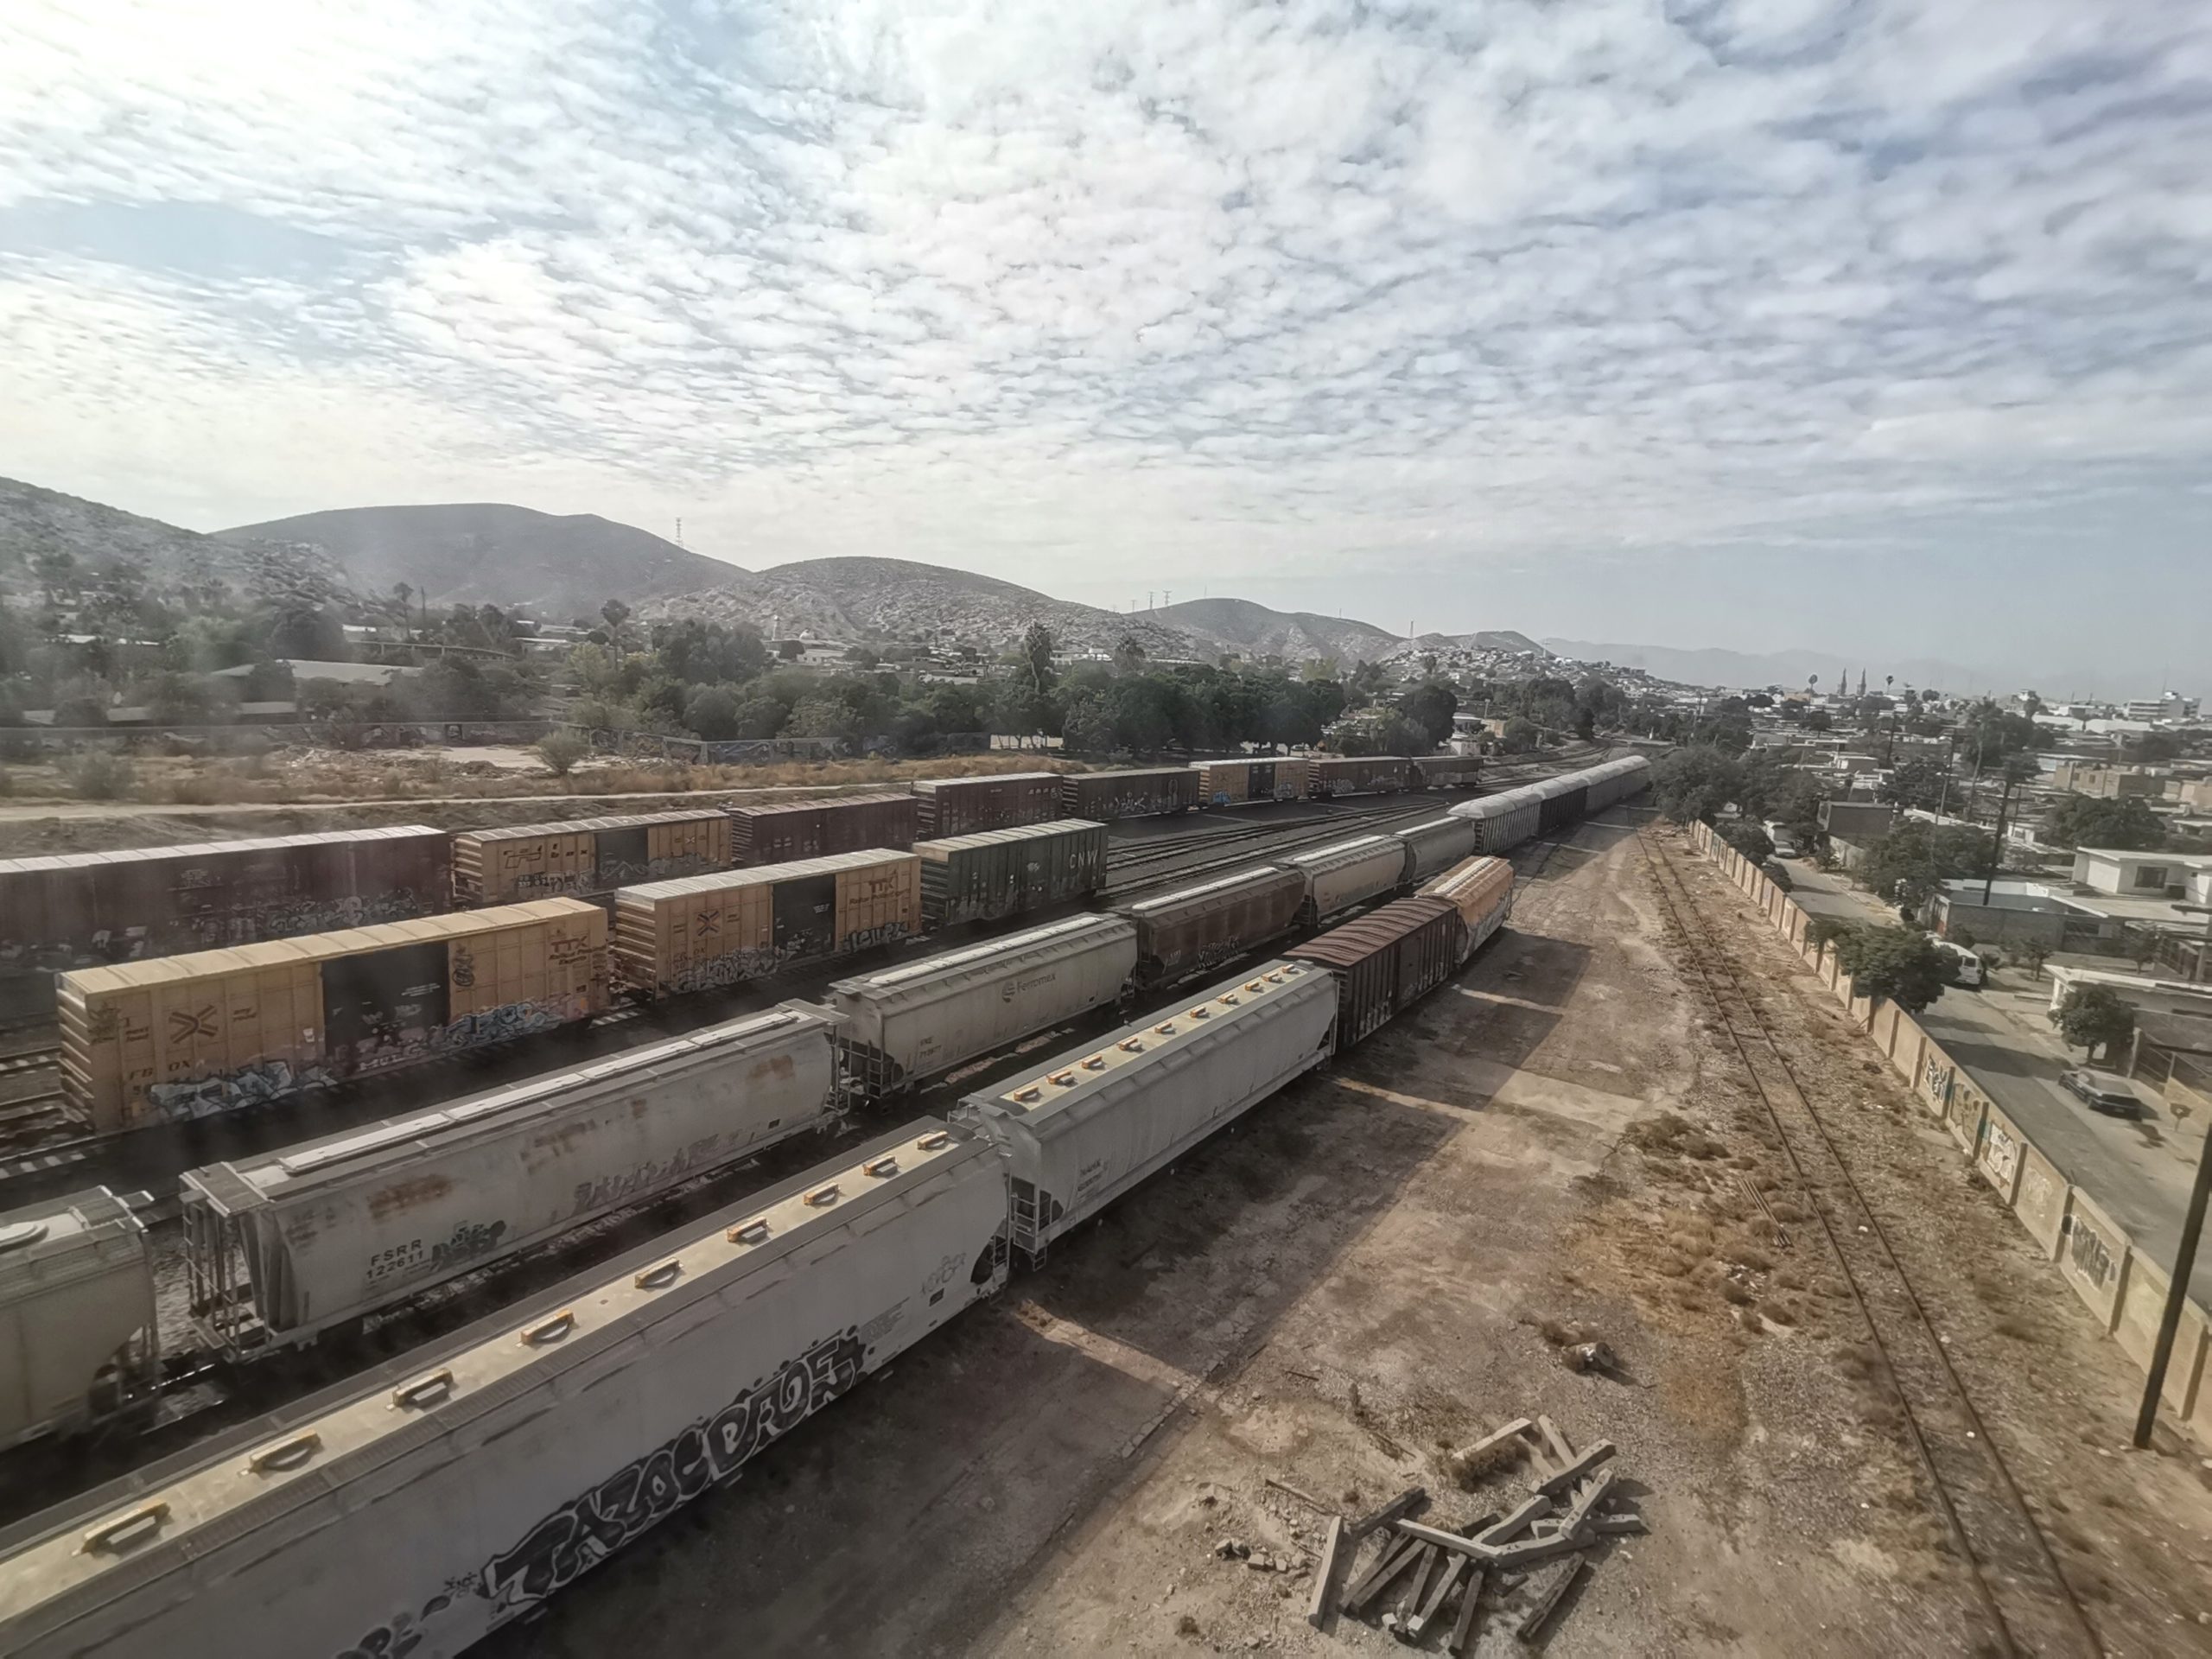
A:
(1872, 325)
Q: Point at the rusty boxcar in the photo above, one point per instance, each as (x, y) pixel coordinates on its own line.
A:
(1481, 889)
(1447, 770)
(1385, 960)
(1234, 783)
(196, 1035)
(1139, 792)
(1328, 776)
(965, 806)
(586, 856)
(1196, 930)
(777, 834)
(709, 930)
(82, 910)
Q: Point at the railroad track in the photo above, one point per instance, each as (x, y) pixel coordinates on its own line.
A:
(30, 1059)
(2022, 1592)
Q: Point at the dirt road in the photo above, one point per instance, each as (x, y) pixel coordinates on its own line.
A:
(1383, 1263)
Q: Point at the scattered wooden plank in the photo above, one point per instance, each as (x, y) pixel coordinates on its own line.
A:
(1307, 1498)
(1463, 1629)
(1325, 1573)
(1405, 1504)
(1458, 1544)
(1615, 1526)
(1561, 1452)
(1424, 1607)
(1497, 1437)
(1397, 1555)
(1578, 1469)
(1530, 1509)
(1423, 1567)
(1587, 1497)
(1548, 1596)
(1530, 1551)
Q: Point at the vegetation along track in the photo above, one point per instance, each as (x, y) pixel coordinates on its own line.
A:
(2029, 1606)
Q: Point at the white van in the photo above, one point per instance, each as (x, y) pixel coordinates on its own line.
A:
(1965, 967)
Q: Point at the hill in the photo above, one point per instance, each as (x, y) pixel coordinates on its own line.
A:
(1253, 630)
(896, 599)
(106, 543)
(485, 554)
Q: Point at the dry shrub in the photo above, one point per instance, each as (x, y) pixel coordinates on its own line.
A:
(1735, 1290)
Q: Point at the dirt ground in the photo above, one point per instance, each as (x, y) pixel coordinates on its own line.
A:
(1384, 1262)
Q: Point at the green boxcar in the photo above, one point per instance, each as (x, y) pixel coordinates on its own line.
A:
(1000, 873)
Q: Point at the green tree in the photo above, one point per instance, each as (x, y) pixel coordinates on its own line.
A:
(2151, 749)
(2084, 821)
(761, 717)
(1750, 840)
(561, 751)
(711, 712)
(616, 613)
(1901, 964)
(1128, 655)
(1909, 863)
(1695, 783)
(2090, 1017)
(1037, 659)
(1519, 735)
(1429, 707)
(1920, 780)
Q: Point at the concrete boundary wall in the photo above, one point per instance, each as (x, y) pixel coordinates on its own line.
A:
(2123, 1288)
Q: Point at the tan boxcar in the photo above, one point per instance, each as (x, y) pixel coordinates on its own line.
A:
(1232, 783)
(706, 930)
(586, 855)
(967, 806)
(197, 1035)
(777, 834)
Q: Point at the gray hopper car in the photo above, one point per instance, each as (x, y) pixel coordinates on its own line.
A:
(1349, 873)
(1436, 846)
(417, 1507)
(1094, 1123)
(77, 1337)
(904, 1025)
(282, 1248)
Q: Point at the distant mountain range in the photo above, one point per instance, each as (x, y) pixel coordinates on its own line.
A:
(104, 541)
(485, 554)
(564, 567)
(1782, 668)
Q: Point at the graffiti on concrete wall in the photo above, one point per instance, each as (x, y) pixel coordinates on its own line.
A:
(2000, 1154)
(2091, 1256)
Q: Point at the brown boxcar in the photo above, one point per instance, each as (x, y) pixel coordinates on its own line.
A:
(586, 856)
(1447, 771)
(196, 1035)
(1199, 928)
(1385, 961)
(81, 910)
(965, 806)
(707, 930)
(1331, 775)
(777, 834)
(1003, 871)
(1143, 792)
(1233, 783)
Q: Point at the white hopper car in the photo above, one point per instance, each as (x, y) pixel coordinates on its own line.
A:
(416, 1507)
(1503, 821)
(1435, 847)
(282, 1248)
(905, 1024)
(1093, 1123)
(1348, 873)
(77, 1337)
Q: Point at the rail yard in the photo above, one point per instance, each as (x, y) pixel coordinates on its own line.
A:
(1268, 1121)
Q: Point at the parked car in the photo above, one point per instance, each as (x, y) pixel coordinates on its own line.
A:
(1967, 969)
(2103, 1091)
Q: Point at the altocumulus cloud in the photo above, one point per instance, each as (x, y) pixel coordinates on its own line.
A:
(1115, 283)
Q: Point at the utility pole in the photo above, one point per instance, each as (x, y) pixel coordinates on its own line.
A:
(1997, 841)
(2162, 1352)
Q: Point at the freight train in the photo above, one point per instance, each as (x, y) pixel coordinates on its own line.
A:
(421, 1506)
(83, 910)
(281, 1248)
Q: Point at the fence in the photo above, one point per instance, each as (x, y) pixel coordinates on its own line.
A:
(768, 751)
(2123, 1288)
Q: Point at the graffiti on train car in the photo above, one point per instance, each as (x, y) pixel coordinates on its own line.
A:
(649, 1177)
(252, 1085)
(392, 1045)
(716, 972)
(593, 1525)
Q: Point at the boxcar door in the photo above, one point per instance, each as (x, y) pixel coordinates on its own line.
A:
(622, 859)
(805, 917)
(383, 1008)
(1260, 781)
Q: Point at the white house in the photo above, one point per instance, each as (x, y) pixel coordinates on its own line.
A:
(2138, 876)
